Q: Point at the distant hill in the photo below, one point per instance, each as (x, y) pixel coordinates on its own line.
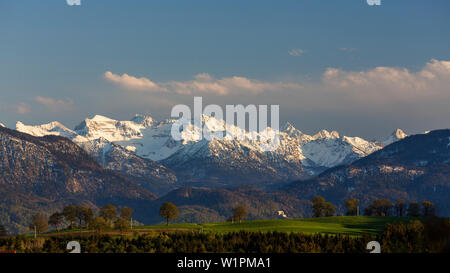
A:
(200, 205)
(42, 174)
(415, 168)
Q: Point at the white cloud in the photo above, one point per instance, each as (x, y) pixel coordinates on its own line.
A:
(347, 49)
(296, 52)
(133, 83)
(202, 83)
(22, 108)
(383, 83)
(55, 105)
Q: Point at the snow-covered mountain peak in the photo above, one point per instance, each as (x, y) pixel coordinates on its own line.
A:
(110, 129)
(324, 134)
(289, 129)
(53, 128)
(213, 124)
(397, 135)
(400, 134)
(144, 120)
(212, 139)
(361, 146)
(2, 125)
(100, 118)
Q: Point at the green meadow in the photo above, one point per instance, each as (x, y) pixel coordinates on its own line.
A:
(347, 225)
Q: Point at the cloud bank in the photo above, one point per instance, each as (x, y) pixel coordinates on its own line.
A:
(390, 83)
(55, 105)
(201, 84)
(22, 108)
(379, 84)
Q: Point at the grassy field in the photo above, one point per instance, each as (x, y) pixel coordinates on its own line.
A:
(347, 225)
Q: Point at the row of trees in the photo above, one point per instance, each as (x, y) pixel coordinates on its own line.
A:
(384, 207)
(109, 216)
(379, 207)
(84, 217)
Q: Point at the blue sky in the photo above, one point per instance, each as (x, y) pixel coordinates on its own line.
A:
(53, 60)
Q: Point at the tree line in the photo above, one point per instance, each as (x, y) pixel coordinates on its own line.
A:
(378, 207)
(71, 217)
(108, 216)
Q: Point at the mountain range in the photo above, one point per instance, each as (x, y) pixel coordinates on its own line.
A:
(144, 149)
(416, 168)
(47, 173)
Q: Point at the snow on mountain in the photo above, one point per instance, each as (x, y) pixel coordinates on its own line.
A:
(155, 142)
(98, 135)
(297, 156)
(115, 157)
(329, 149)
(112, 130)
(395, 136)
(53, 128)
(143, 120)
(2, 125)
(324, 134)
